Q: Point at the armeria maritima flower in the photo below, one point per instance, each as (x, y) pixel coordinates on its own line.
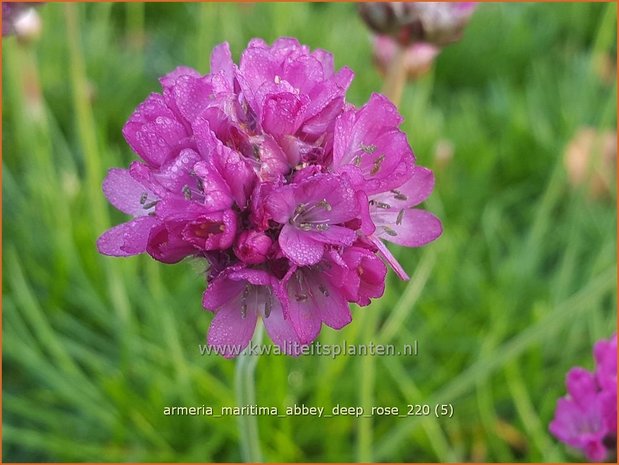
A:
(437, 23)
(421, 29)
(586, 418)
(288, 191)
(20, 17)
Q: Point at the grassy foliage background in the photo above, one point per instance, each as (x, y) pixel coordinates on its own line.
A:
(514, 293)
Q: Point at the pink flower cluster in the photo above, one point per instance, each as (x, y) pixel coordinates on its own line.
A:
(586, 418)
(421, 29)
(288, 191)
(437, 23)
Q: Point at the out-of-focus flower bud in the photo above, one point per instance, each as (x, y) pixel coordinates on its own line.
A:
(418, 58)
(590, 160)
(408, 22)
(252, 247)
(28, 26)
(386, 18)
(12, 13)
(443, 153)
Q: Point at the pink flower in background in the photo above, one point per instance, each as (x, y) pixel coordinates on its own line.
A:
(605, 353)
(586, 418)
(421, 29)
(20, 17)
(266, 172)
(437, 23)
(418, 57)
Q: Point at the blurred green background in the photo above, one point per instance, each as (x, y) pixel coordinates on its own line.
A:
(515, 292)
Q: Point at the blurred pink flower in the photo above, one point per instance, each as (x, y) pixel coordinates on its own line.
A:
(586, 418)
(265, 171)
(15, 13)
(418, 58)
(436, 23)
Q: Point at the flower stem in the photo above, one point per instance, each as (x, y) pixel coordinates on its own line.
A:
(246, 395)
(396, 77)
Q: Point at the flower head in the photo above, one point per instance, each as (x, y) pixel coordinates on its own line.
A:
(590, 160)
(436, 23)
(265, 171)
(418, 57)
(418, 30)
(586, 418)
(20, 18)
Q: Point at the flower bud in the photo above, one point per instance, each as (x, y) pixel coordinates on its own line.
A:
(418, 57)
(252, 247)
(16, 12)
(386, 18)
(408, 22)
(590, 160)
(28, 26)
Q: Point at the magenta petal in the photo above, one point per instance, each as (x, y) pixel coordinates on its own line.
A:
(595, 450)
(326, 60)
(144, 175)
(233, 168)
(252, 247)
(128, 238)
(366, 275)
(580, 417)
(256, 277)
(282, 113)
(563, 425)
(280, 204)
(304, 317)
(230, 332)
(370, 121)
(280, 330)
(413, 228)
(221, 62)
(127, 194)
(334, 309)
(166, 243)
(605, 353)
(608, 403)
(418, 187)
(581, 385)
(153, 131)
(311, 300)
(220, 291)
(175, 207)
(274, 162)
(367, 225)
(287, 44)
(336, 235)
(217, 194)
(369, 138)
(385, 161)
(211, 231)
(169, 79)
(191, 95)
(336, 191)
(389, 258)
(344, 125)
(379, 108)
(303, 72)
(325, 94)
(176, 175)
(299, 246)
(414, 191)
